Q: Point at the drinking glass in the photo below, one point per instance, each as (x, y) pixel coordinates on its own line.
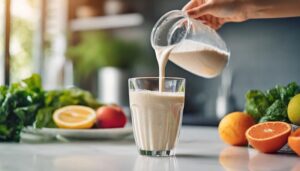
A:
(156, 116)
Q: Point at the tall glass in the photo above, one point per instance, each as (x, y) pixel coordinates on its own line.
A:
(156, 116)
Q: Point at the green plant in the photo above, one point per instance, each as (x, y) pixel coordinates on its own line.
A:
(98, 49)
(271, 105)
(26, 103)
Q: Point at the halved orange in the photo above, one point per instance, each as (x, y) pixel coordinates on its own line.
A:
(75, 117)
(268, 137)
(294, 141)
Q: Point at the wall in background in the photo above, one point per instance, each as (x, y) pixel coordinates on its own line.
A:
(263, 53)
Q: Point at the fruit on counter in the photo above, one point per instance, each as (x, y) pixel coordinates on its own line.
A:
(56, 99)
(270, 105)
(294, 141)
(294, 110)
(74, 117)
(268, 137)
(233, 126)
(26, 103)
(110, 117)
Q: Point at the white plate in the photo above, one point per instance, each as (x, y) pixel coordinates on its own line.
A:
(111, 133)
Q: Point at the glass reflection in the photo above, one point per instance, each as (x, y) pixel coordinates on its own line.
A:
(155, 163)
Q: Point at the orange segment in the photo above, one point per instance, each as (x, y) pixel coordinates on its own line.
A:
(294, 141)
(74, 117)
(268, 137)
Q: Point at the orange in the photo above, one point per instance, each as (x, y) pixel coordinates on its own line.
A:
(294, 141)
(75, 117)
(233, 126)
(268, 137)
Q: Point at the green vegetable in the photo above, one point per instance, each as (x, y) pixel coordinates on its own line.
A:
(256, 103)
(272, 104)
(60, 98)
(26, 103)
(276, 112)
(18, 106)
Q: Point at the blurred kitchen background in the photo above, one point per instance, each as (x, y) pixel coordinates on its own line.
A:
(98, 44)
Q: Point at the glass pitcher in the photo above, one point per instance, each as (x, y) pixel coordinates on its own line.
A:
(197, 47)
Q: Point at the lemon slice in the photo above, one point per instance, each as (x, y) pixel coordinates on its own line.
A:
(75, 117)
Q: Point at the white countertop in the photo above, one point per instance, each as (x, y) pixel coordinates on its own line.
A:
(199, 148)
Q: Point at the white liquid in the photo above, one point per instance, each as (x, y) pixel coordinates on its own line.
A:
(197, 58)
(156, 118)
(200, 59)
(162, 56)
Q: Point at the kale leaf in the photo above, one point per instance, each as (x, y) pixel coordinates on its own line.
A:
(26, 103)
(19, 104)
(270, 105)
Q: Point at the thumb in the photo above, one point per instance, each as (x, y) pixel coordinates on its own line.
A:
(190, 5)
(199, 11)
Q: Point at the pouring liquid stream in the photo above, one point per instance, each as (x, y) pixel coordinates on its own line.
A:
(162, 55)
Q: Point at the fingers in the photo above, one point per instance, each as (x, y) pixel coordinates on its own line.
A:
(202, 10)
(211, 21)
(199, 11)
(190, 5)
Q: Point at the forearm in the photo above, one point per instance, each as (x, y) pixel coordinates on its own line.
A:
(272, 8)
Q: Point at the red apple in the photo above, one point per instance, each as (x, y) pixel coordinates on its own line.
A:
(110, 117)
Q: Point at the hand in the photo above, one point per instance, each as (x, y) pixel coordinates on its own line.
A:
(216, 12)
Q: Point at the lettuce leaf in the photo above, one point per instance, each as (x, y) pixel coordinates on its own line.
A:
(26, 103)
(256, 103)
(59, 98)
(270, 105)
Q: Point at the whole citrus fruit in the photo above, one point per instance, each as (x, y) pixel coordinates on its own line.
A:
(268, 137)
(233, 126)
(294, 110)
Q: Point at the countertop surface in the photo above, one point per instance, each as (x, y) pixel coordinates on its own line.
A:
(199, 148)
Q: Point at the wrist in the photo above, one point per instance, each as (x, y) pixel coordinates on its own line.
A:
(257, 8)
(249, 7)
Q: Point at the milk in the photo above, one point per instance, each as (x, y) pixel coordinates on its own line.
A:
(157, 115)
(162, 56)
(156, 118)
(196, 57)
(199, 58)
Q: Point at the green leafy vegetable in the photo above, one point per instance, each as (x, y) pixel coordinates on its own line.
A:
(276, 112)
(25, 102)
(256, 103)
(60, 98)
(272, 104)
(18, 106)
